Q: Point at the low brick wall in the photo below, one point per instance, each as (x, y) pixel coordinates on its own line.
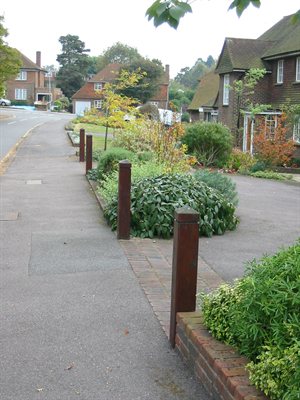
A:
(219, 368)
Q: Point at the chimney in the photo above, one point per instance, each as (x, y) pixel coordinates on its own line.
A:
(167, 69)
(38, 59)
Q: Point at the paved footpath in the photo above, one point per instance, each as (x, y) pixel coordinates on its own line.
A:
(74, 321)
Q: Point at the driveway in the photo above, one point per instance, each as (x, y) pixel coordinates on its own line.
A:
(269, 213)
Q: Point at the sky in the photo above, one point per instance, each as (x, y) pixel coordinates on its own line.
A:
(36, 25)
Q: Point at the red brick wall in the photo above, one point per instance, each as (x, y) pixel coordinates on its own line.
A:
(218, 367)
(34, 80)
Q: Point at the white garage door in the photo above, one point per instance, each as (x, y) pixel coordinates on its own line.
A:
(81, 106)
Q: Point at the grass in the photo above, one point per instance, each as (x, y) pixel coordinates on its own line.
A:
(98, 142)
(91, 128)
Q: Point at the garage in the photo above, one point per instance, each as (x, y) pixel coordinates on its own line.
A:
(80, 106)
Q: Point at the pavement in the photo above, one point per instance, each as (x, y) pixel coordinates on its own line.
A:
(74, 321)
(82, 314)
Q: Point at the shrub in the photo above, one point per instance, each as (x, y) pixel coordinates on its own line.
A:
(222, 183)
(153, 201)
(239, 160)
(258, 166)
(210, 142)
(271, 175)
(260, 315)
(185, 117)
(273, 147)
(109, 160)
(109, 185)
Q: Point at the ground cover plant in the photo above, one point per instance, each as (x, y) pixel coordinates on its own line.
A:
(260, 316)
(154, 200)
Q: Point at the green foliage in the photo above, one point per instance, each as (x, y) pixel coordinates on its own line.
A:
(258, 166)
(189, 77)
(169, 11)
(74, 64)
(154, 200)
(210, 142)
(222, 183)
(117, 53)
(270, 175)
(240, 161)
(260, 315)
(109, 185)
(185, 117)
(10, 59)
(109, 160)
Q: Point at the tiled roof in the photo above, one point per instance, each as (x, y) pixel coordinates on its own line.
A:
(285, 36)
(107, 74)
(28, 64)
(242, 54)
(206, 92)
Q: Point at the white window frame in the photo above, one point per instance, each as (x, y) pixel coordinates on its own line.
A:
(20, 94)
(296, 131)
(22, 76)
(154, 103)
(280, 71)
(226, 89)
(298, 69)
(98, 86)
(98, 104)
(271, 122)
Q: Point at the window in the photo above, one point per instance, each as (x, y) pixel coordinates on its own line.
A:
(22, 76)
(21, 94)
(98, 86)
(280, 71)
(49, 74)
(298, 69)
(270, 126)
(296, 131)
(226, 90)
(154, 103)
(98, 104)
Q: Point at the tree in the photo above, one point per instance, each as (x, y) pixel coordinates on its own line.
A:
(74, 64)
(118, 53)
(171, 11)
(189, 77)
(180, 96)
(244, 90)
(10, 59)
(152, 71)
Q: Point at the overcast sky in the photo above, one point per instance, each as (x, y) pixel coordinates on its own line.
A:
(37, 25)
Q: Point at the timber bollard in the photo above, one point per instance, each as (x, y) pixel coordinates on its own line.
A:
(184, 265)
(89, 153)
(123, 230)
(81, 145)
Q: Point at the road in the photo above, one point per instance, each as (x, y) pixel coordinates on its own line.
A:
(15, 123)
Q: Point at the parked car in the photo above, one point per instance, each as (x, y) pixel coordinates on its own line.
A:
(5, 102)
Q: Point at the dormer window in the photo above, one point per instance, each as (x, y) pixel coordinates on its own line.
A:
(98, 86)
(298, 69)
(226, 90)
(280, 71)
(22, 76)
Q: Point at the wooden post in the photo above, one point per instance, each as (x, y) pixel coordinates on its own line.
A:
(123, 230)
(184, 265)
(81, 145)
(89, 153)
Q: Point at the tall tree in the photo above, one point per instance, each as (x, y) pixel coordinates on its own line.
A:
(118, 53)
(74, 63)
(10, 61)
(189, 77)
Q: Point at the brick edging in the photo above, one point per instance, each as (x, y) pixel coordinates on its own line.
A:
(219, 368)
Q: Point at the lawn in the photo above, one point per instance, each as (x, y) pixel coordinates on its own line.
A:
(92, 128)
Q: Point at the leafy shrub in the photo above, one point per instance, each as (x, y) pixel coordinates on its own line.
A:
(153, 201)
(109, 160)
(109, 185)
(210, 142)
(258, 166)
(260, 315)
(222, 183)
(273, 147)
(239, 160)
(185, 117)
(270, 175)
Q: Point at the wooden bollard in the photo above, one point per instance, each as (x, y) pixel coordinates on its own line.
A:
(81, 145)
(89, 153)
(123, 230)
(184, 265)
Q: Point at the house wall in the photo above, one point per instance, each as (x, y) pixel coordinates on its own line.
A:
(289, 89)
(34, 79)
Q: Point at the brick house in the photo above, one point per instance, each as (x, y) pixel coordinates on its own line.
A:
(204, 103)
(89, 96)
(278, 51)
(31, 85)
